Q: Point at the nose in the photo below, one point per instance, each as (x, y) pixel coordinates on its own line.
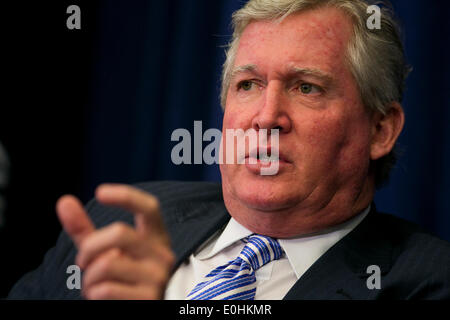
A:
(272, 113)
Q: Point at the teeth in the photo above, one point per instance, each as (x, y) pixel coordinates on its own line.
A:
(265, 158)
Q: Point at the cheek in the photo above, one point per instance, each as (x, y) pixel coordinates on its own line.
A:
(324, 133)
(356, 154)
(236, 118)
(353, 156)
(229, 119)
(336, 139)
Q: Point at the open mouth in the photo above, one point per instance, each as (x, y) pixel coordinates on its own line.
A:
(266, 155)
(267, 158)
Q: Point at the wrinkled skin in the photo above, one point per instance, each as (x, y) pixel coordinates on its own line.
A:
(327, 138)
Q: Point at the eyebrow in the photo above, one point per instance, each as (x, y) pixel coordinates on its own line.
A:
(293, 71)
(316, 73)
(243, 69)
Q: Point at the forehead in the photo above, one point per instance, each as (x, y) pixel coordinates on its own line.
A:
(314, 38)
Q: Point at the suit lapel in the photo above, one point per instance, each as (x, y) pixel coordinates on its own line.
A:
(341, 273)
(189, 232)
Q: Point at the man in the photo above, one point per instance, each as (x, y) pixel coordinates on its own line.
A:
(332, 88)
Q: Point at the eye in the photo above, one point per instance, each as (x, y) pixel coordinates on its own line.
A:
(245, 85)
(307, 88)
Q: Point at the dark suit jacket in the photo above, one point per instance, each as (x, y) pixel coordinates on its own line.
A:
(413, 264)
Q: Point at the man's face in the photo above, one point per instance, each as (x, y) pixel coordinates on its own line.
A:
(293, 76)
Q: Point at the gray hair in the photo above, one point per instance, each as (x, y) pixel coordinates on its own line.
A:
(375, 57)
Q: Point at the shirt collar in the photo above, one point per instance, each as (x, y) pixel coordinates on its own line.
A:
(232, 233)
(301, 252)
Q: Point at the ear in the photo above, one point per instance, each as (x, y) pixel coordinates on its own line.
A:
(385, 130)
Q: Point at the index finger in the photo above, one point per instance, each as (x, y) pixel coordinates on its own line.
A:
(142, 204)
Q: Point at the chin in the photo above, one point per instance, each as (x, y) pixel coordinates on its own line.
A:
(264, 196)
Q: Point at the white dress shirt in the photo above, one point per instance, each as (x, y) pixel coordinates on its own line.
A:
(274, 279)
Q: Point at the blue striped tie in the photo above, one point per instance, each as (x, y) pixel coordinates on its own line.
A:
(236, 279)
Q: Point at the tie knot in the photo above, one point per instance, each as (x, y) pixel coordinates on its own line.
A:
(260, 250)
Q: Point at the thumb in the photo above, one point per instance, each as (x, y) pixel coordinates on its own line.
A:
(74, 218)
